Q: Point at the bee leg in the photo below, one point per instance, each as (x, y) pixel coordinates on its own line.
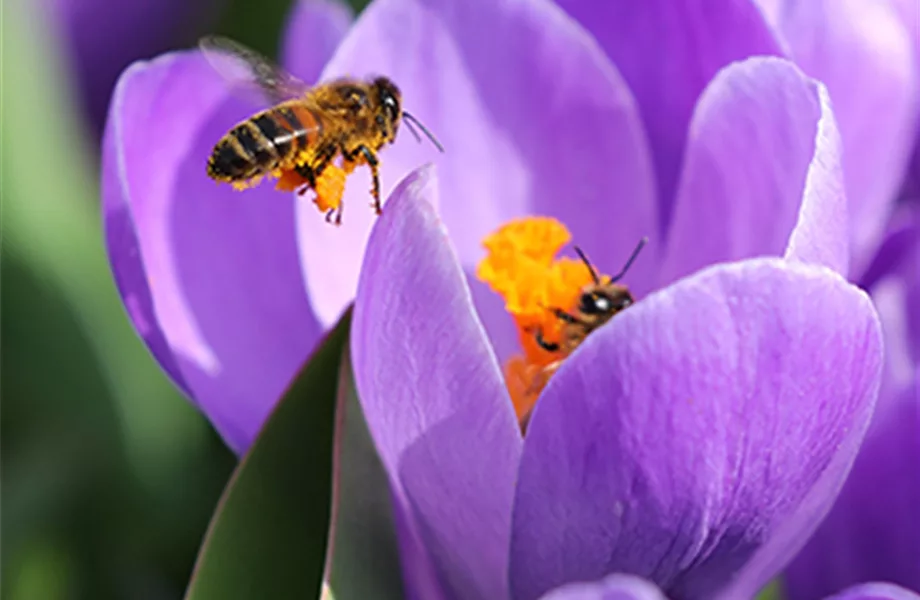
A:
(307, 173)
(564, 316)
(338, 215)
(374, 164)
(548, 346)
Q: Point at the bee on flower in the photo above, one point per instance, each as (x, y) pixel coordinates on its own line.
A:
(556, 302)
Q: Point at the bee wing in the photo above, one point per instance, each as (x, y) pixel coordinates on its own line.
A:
(249, 73)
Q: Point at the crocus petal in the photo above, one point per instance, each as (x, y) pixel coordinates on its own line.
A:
(762, 162)
(668, 51)
(534, 120)
(872, 533)
(613, 587)
(210, 277)
(102, 37)
(900, 244)
(433, 396)
(694, 429)
(313, 32)
(876, 591)
(893, 278)
(864, 54)
(913, 306)
(909, 12)
(909, 271)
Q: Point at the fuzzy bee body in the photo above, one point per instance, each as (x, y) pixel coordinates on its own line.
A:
(340, 124)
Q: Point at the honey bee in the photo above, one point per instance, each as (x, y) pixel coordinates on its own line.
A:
(308, 130)
(598, 302)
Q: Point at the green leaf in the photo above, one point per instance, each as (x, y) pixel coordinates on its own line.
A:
(53, 226)
(268, 536)
(365, 554)
(773, 591)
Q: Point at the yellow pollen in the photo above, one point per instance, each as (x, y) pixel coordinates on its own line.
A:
(521, 265)
(330, 185)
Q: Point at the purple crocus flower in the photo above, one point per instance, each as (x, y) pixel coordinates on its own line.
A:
(910, 16)
(537, 113)
(210, 277)
(102, 37)
(873, 532)
(695, 441)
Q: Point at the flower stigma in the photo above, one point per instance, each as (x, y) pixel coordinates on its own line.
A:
(545, 294)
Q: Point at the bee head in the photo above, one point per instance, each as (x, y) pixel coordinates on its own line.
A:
(390, 100)
(604, 301)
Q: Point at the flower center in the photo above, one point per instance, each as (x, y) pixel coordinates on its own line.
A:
(555, 302)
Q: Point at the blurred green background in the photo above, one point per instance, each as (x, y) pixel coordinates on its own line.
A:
(108, 476)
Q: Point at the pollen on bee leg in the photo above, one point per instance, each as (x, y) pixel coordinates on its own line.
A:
(330, 186)
(290, 180)
(525, 382)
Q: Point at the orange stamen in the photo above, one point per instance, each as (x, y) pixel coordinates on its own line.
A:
(521, 265)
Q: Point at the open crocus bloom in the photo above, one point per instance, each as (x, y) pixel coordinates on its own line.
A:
(695, 440)
(621, 119)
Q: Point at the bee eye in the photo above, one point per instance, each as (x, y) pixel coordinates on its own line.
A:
(591, 305)
(392, 107)
(602, 304)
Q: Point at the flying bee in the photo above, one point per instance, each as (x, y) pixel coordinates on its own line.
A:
(342, 124)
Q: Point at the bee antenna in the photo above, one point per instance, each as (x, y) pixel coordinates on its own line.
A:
(410, 120)
(415, 134)
(629, 262)
(584, 259)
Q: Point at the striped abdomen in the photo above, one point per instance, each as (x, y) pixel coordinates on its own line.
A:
(265, 141)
